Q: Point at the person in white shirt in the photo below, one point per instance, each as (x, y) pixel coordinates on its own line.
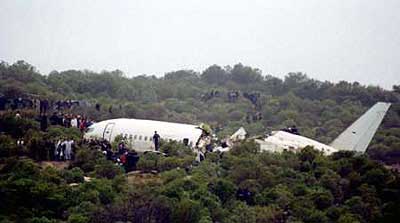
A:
(68, 148)
(74, 122)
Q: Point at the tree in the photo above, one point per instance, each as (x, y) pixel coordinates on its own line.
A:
(215, 75)
(245, 75)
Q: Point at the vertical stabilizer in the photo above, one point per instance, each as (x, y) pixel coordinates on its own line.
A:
(358, 136)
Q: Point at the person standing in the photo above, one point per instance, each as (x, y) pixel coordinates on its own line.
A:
(156, 140)
(68, 148)
(74, 122)
(43, 123)
(44, 104)
(53, 119)
(58, 149)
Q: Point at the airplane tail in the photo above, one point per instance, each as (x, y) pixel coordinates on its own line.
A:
(358, 136)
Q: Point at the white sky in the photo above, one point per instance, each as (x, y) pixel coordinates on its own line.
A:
(353, 40)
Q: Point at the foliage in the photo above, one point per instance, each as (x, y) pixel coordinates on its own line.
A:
(244, 185)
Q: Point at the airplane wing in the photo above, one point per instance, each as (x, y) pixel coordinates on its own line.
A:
(358, 136)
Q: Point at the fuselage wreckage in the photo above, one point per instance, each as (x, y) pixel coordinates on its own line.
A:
(139, 134)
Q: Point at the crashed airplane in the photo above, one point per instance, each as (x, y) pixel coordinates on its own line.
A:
(140, 134)
(356, 137)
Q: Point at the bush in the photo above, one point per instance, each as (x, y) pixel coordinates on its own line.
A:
(86, 159)
(148, 162)
(224, 189)
(17, 128)
(245, 147)
(77, 218)
(107, 169)
(7, 146)
(75, 175)
(175, 148)
(42, 220)
(57, 132)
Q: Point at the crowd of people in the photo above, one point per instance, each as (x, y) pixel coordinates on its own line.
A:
(39, 103)
(64, 149)
(210, 95)
(66, 120)
(122, 156)
(233, 96)
(48, 150)
(253, 117)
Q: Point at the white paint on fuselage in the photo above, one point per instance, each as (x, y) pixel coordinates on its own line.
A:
(279, 141)
(139, 133)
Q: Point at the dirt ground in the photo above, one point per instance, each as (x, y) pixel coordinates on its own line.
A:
(139, 179)
(58, 165)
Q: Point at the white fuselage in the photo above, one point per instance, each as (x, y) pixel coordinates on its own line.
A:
(280, 141)
(139, 133)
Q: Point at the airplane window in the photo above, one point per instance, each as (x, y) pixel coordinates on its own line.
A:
(130, 136)
(145, 138)
(150, 138)
(135, 137)
(140, 137)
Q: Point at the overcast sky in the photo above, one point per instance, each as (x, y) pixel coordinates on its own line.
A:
(353, 40)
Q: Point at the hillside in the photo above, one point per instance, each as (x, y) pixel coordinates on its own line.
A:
(224, 97)
(244, 185)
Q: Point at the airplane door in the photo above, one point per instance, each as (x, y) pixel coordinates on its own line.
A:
(108, 131)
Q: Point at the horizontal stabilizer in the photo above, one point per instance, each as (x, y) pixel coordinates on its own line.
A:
(358, 136)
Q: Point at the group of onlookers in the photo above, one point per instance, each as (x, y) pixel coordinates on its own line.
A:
(70, 121)
(64, 150)
(65, 120)
(210, 95)
(49, 150)
(122, 156)
(233, 96)
(36, 102)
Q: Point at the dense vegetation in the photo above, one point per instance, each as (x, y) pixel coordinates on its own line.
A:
(245, 185)
(321, 110)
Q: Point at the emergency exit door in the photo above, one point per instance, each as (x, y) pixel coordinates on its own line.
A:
(108, 131)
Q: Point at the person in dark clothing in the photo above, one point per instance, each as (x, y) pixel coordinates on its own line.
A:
(97, 107)
(62, 147)
(43, 123)
(44, 104)
(14, 104)
(67, 121)
(20, 103)
(27, 103)
(156, 140)
(51, 149)
(54, 119)
(60, 119)
(109, 154)
(3, 102)
(121, 148)
(294, 130)
(131, 160)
